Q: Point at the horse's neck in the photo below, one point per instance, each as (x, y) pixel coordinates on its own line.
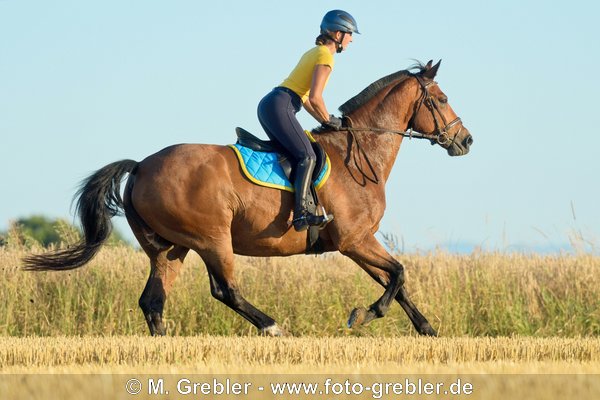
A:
(390, 109)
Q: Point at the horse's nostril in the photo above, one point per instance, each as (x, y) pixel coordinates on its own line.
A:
(468, 140)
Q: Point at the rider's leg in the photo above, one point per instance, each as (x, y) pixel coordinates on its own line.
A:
(277, 114)
(302, 217)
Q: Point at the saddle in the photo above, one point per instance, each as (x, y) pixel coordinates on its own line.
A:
(271, 148)
(250, 141)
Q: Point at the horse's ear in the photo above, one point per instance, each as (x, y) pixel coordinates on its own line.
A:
(429, 64)
(432, 71)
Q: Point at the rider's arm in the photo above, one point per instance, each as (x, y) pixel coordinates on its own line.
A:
(315, 105)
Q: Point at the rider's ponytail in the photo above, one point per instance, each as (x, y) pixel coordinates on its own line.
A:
(322, 39)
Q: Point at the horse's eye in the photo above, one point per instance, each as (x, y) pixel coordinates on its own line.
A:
(443, 100)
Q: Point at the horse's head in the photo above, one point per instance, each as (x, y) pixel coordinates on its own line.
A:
(434, 117)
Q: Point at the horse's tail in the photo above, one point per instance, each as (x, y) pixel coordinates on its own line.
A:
(98, 200)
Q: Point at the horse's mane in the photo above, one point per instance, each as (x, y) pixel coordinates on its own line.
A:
(370, 91)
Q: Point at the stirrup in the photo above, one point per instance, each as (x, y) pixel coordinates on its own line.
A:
(304, 221)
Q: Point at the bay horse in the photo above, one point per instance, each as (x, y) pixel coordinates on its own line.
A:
(194, 196)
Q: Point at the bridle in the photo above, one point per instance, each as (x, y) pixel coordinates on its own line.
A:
(441, 136)
(442, 130)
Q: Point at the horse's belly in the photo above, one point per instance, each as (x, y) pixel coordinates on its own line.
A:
(269, 238)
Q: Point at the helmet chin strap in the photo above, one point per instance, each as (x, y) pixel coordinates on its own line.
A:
(339, 48)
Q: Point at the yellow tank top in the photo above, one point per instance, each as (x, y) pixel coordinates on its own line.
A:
(300, 78)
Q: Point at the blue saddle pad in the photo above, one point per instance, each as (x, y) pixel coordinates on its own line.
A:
(263, 169)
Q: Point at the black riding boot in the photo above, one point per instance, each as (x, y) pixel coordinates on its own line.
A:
(302, 217)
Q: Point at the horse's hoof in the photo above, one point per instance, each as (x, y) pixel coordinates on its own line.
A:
(273, 330)
(357, 317)
(155, 323)
(158, 330)
(427, 330)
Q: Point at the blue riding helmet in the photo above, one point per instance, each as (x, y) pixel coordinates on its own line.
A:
(338, 20)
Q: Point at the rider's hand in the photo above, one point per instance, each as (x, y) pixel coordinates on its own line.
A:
(334, 123)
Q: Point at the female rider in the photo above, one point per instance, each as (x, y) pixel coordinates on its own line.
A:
(304, 87)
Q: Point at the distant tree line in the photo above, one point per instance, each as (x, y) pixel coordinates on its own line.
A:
(48, 232)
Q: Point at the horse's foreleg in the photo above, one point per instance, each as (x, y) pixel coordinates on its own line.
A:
(369, 251)
(223, 287)
(418, 320)
(165, 266)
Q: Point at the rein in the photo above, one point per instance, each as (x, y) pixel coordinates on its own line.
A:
(409, 133)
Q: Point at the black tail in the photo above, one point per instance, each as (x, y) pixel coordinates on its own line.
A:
(99, 199)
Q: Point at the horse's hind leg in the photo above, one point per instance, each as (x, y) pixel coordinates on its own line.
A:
(165, 262)
(164, 268)
(220, 265)
(418, 320)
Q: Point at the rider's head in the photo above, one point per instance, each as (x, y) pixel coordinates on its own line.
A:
(337, 26)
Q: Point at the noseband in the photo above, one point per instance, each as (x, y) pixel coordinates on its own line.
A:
(441, 136)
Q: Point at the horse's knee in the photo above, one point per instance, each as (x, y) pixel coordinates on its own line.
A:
(398, 273)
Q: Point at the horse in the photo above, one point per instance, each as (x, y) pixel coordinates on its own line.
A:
(194, 196)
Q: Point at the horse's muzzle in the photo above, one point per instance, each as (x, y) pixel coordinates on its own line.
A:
(461, 144)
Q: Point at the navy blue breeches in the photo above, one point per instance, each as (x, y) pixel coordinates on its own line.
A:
(277, 115)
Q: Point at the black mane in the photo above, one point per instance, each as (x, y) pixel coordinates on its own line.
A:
(370, 91)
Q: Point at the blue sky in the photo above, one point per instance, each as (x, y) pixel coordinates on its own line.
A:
(83, 84)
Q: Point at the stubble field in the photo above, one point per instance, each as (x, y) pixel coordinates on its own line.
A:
(507, 322)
